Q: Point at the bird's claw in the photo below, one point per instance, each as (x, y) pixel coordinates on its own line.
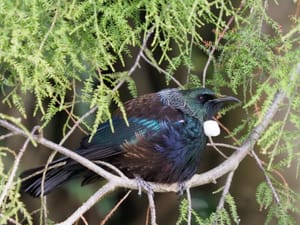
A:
(182, 188)
(143, 185)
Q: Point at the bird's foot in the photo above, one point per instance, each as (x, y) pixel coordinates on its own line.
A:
(143, 185)
(182, 188)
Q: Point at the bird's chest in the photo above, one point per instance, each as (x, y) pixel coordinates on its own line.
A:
(182, 140)
(183, 158)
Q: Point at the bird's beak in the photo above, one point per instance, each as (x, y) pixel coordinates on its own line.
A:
(216, 104)
(223, 99)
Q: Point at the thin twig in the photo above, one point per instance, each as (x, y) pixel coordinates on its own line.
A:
(108, 187)
(72, 118)
(280, 133)
(45, 169)
(76, 124)
(269, 182)
(216, 148)
(15, 167)
(110, 166)
(137, 60)
(162, 71)
(189, 199)
(44, 211)
(227, 131)
(225, 190)
(2, 137)
(84, 220)
(109, 215)
(49, 31)
(151, 207)
(147, 215)
(42, 170)
(190, 56)
(223, 145)
(214, 47)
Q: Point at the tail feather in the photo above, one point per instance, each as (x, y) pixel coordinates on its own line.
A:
(54, 177)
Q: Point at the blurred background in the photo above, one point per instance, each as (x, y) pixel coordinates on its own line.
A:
(63, 202)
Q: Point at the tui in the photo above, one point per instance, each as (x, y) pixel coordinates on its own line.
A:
(163, 142)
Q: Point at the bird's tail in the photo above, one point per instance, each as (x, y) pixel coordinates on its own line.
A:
(56, 175)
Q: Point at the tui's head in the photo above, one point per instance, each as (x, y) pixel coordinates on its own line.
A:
(201, 103)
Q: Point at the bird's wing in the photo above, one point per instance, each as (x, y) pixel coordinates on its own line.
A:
(106, 143)
(144, 115)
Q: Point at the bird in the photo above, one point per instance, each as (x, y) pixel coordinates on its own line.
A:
(162, 142)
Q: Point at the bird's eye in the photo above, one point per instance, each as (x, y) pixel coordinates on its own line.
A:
(204, 98)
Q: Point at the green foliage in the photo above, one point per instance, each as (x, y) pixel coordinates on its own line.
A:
(260, 65)
(264, 195)
(223, 216)
(54, 44)
(51, 50)
(280, 212)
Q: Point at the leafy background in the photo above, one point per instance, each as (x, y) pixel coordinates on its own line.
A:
(62, 59)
